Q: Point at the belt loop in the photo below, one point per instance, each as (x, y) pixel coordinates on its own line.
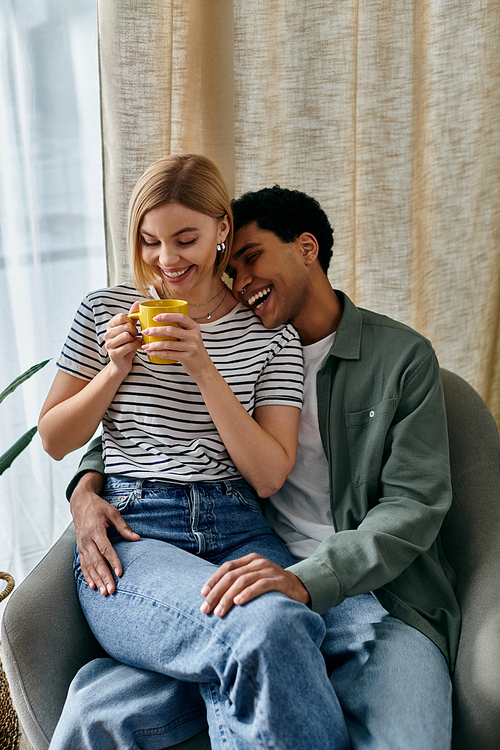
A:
(138, 487)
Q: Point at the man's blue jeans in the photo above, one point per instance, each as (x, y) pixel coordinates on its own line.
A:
(259, 669)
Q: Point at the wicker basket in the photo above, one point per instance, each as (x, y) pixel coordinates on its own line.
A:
(10, 734)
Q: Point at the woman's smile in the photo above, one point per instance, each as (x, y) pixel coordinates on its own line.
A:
(175, 275)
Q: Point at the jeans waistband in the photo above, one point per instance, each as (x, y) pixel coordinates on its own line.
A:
(134, 483)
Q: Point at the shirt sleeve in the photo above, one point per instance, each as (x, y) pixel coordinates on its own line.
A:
(84, 353)
(282, 378)
(91, 461)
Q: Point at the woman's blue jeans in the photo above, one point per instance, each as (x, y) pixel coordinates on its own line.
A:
(245, 665)
(261, 669)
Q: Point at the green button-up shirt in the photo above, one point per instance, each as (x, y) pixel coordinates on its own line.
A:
(383, 426)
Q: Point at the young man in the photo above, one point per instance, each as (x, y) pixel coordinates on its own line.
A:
(362, 508)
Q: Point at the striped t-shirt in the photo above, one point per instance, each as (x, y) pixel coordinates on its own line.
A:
(157, 426)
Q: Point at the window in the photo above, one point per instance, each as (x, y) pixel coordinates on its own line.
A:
(51, 241)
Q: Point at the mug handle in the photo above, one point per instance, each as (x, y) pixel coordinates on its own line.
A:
(133, 317)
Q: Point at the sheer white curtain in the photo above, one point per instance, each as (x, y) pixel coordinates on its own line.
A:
(51, 241)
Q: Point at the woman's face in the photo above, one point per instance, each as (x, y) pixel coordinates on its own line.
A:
(181, 246)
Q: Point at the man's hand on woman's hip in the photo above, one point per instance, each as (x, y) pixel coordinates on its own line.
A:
(92, 516)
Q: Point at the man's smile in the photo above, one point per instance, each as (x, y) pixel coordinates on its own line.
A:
(258, 299)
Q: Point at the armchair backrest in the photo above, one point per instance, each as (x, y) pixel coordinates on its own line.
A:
(471, 541)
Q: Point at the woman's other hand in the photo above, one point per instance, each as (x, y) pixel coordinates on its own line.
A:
(187, 348)
(122, 340)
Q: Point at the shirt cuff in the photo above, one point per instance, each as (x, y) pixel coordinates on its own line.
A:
(320, 581)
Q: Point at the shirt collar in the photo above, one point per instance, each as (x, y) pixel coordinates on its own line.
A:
(347, 342)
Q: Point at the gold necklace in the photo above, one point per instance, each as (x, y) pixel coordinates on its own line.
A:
(200, 304)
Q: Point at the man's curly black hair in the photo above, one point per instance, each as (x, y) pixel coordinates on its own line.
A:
(287, 213)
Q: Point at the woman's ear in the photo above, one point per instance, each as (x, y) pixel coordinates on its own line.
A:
(309, 247)
(224, 227)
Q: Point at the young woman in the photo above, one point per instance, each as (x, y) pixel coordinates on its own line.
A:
(188, 448)
(180, 232)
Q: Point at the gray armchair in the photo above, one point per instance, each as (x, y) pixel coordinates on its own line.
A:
(46, 639)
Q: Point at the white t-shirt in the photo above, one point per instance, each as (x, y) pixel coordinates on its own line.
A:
(300, 511)
(157, 426)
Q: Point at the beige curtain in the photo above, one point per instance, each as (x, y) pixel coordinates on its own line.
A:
(387, 111)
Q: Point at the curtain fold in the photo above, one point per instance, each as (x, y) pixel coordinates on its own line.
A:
(387, 113)
(166, 71)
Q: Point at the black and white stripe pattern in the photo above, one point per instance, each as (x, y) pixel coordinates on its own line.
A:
(158, 426)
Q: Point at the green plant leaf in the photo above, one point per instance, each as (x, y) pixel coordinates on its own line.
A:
(21, 379)
(7, 458)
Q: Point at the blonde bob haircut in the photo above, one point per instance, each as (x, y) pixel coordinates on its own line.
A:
(189, 179)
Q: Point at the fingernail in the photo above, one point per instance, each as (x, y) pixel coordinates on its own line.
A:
(205, 590)
(103, 590)
(204, 608)
(219, 611)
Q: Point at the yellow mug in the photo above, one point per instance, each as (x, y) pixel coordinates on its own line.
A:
(148, 310)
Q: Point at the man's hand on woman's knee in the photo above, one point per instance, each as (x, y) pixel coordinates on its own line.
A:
(92, 516)
(239, 581)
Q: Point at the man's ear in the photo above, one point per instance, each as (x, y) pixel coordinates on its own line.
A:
(309, 247)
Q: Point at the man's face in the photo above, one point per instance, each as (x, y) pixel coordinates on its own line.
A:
(267, 274)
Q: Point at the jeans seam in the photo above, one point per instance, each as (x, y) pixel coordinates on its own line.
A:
(185, 615)
(215, 705)
(245, 503)
(179, 720)
(194, 512)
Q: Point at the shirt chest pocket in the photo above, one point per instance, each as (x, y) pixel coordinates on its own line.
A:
(366, 432)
